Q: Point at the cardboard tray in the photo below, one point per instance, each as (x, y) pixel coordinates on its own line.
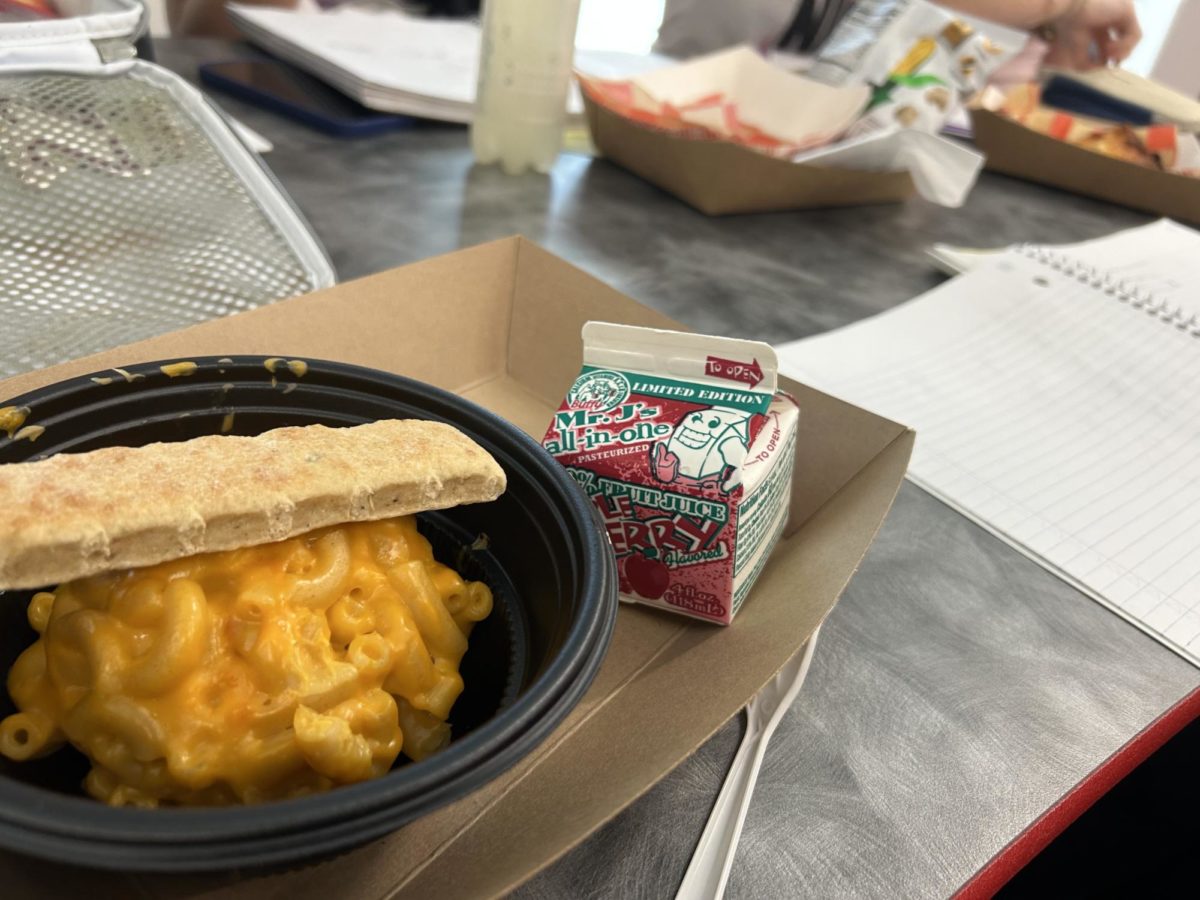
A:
(720, 177)
(1013, 149)
(500, 324)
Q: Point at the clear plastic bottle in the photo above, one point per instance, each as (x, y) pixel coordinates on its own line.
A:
(524, 76)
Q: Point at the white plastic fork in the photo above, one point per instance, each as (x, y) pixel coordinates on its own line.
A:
(708, 871)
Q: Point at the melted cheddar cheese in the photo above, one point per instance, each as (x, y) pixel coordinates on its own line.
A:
(249, 675)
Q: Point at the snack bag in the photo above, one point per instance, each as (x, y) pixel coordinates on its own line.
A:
(840, 55)
(924, 62)
(686, 449)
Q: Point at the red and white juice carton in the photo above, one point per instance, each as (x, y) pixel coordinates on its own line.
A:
(687, 450)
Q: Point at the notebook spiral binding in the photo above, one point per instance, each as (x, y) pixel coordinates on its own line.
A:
(1130, 294)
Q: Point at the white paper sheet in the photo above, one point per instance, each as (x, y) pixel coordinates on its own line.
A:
(1056, 407)
(943, 171)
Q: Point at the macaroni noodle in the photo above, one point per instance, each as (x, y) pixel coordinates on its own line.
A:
(249, 675)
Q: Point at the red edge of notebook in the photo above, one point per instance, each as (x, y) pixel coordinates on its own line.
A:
(1050, 824)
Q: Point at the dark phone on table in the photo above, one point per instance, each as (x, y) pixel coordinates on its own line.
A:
(277, 86)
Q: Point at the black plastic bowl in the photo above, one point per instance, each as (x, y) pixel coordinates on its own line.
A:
(549, 564)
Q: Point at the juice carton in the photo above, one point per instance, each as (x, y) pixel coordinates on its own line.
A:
(687, 451)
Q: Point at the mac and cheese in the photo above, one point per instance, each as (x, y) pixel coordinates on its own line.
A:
(249, 675)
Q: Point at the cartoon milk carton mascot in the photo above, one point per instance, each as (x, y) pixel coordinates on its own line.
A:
(706, 449)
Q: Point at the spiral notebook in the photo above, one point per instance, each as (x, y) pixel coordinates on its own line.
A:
(1056, 396)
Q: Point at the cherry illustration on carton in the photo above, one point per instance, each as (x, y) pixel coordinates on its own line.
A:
(686, 449)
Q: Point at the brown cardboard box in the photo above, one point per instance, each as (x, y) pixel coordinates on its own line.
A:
(500, 324)
(720, 177)
(1013, 149)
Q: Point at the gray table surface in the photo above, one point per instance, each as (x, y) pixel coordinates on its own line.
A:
(958, 689)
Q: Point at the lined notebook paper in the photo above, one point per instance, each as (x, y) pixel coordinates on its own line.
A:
(1056, 398)
(1157, 256)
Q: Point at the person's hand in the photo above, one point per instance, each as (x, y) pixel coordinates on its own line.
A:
(1092, 33)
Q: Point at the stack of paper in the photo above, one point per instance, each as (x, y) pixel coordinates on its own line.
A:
(394, 62)
(384, 59)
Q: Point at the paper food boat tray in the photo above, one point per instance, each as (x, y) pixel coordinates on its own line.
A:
(720, 177)
(500, 324)
(1013, 149)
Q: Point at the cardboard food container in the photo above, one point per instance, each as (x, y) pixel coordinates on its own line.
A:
(500, 324)
(1013, 149)
(718, 176)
